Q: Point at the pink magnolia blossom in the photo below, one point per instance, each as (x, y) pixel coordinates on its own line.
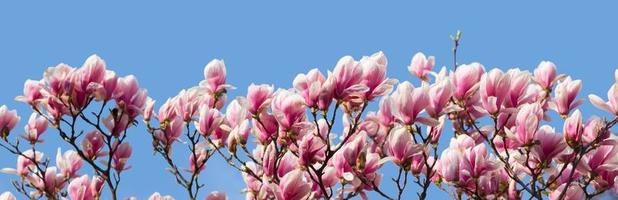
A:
(574, 192)
(519, 92)
(129, 97)
(187, 103)
(265, 127)
(292, 187)
(409, 102)
(209, 121)
(527, 122)
(35, 128)
(25, 163)
(167, 111)
(494, 87)
(401, 147)
(170, 132)
(573, 129)
(566, 92)
(374, 76)
(348, 75)
(92, 145)
(466, 79)
(198, 161)
(7, 196)
(8, 120)
(311, 87)
(82, 188)
(611, 105)
(311, 149)
(448, 165)
(475, 162)
(287, 163)
(420, 65)
(104, 91)
(269, 159)
(148, 109)
(117, 123)
(259, 97)
(215, 76)
(593, 131)
(121, 156)
(241, 132)
(436, 131)
(32, 92)
(216, 196)
(385, 114)
(236, 112)
(158, 196)
(550, 145)
(68, 162)
(545, 74)
(289, 109)
(439, 96)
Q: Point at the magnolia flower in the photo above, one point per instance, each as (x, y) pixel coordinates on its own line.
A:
(68, 163)
(494, 87)
(148, 109)
(32, 92)
(292, 187)
(374, 76)
(439, 96)
(421, 65)
(527, 122)
(518, 92)
(573, 129)
(448, 165)
(170, 132)
(289, 109)
(550, 145)
(269, 160)
(82, 188)
(35, 128)
(310, 86)
(92, 145)
(129, 96)
(611, 105)
(566, 92)
(348, 75)
(209, 121)
(121, 156)
(215, 76)
(311, 149)
(25, 163)
(8, 120)
(466, 79)
(401, 147)
(574, 192)
(216, 195)
(187, 103)
(409, 102)
(7, 196)
(545, 74)
(198, 162)
(236, 112)
(259, 97)
(158, 196)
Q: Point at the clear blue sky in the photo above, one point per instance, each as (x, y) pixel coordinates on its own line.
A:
(166, 45)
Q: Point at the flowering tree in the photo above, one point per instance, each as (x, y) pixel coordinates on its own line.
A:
(287, 144)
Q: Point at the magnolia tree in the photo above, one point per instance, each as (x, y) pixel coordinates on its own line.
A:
(318, 140)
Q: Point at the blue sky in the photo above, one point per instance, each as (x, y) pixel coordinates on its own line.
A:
(166, 45)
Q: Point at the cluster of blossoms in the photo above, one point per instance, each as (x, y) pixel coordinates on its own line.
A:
(91, 108)
(286, 143)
